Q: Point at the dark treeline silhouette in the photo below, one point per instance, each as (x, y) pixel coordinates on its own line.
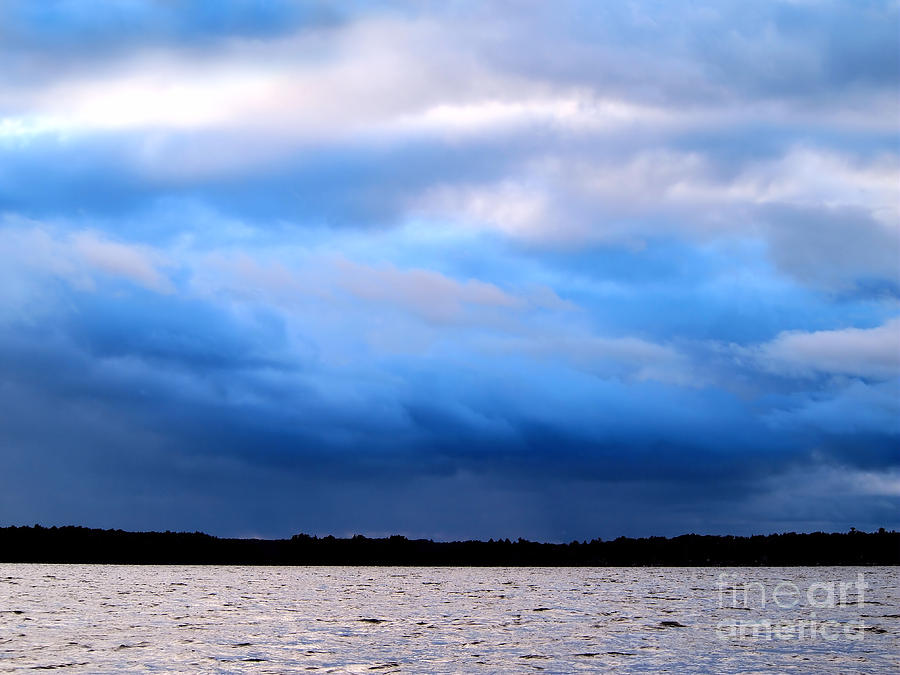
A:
(84, 545)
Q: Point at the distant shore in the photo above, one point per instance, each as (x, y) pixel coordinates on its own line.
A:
(84, 545)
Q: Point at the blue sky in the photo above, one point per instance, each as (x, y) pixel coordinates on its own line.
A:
(554, 270)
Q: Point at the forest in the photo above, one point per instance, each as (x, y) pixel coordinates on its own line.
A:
(72, 544)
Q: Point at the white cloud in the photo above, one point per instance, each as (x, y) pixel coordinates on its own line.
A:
(427, 293)
(309, 86)
(318, 277)
(510, 207)
(561, 111)
(803, 177)
(827, 219)
(861, 352)
(83, 257)
(138, 264)
(385, 80)
(376, 79)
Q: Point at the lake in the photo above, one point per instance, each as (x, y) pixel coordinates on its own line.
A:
(236, 619)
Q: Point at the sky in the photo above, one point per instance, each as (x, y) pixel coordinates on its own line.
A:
(450, 269)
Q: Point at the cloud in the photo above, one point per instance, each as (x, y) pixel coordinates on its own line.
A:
(423, 293)
(374, 120)
(629, 358)
(302, 87)
(83, 257)
(428, 293)
(534, 263)
(860, 419)
(802, 204)
(384, 74)
(130, 262)
(838, 249)
(860, 352)
(75, 37)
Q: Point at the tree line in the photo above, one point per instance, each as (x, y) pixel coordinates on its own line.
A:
(72, 544)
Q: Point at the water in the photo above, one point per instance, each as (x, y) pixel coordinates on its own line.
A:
(113, 619)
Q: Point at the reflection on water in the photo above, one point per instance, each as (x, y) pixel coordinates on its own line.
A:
(112, 619)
